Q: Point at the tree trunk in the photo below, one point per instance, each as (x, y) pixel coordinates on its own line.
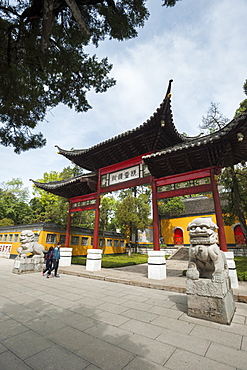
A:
(48, 17)
(239, 208)
(136, 241)
(78, 17)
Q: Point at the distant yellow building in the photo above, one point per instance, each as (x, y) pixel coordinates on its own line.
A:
(174, 231)
(49, 235)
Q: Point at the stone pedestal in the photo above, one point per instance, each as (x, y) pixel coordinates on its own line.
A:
(156, 265)
(24, 265)
(65, 256)
(93, 259)
(210, 300)
(232, 269)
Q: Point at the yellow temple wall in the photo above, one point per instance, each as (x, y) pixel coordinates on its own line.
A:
(167, 227)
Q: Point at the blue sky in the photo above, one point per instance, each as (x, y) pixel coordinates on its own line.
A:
(201, 45)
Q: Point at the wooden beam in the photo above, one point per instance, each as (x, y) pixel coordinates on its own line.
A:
(218, 213)
(185, 191)
(193, 175)
(83, 198)
(83, 208)
(67, 236)
(155, 217)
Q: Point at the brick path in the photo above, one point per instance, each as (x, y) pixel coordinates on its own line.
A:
(93, 323)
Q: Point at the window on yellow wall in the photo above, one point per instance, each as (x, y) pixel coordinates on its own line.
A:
(51, 238)
(109, 242)
(16, 238)
(121, 243)
(62, 239)
(84, 240)
(1, 237)
(5, 237)
(74, 240)
(10, 237)
(101, 242)
(115, 243)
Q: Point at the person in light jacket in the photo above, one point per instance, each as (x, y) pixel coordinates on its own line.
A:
(55, 262)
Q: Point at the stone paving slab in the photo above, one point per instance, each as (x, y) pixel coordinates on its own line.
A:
(137, 276)
(87, 323)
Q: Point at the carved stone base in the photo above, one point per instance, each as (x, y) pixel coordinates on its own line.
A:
(24, 265)
(232, 269)
(212, 301)
(65, 256)
(156, 265)
(94, 257)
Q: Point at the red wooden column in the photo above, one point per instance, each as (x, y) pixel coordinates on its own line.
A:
(97, 215)
(218, 212)
(67, 237)
(155, 217)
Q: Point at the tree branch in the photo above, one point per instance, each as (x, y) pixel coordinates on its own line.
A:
(48, 17)
(78, 17)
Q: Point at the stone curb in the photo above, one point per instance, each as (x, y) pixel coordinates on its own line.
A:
(238, 297)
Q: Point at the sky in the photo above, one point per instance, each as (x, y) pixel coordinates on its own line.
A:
(200, 44)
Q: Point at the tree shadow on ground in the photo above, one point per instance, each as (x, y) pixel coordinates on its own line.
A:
(38, 334)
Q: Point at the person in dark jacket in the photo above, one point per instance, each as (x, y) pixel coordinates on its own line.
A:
(55, 261)
(48, 260)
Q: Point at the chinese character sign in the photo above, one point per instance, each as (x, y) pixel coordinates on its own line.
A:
(124, 175)
(5, 248)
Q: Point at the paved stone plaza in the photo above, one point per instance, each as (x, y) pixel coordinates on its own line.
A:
(80, 323)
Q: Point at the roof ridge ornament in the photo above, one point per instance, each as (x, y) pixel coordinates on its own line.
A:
(165, 102)
(156, 133)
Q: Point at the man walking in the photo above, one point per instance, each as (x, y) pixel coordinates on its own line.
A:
(55, 262)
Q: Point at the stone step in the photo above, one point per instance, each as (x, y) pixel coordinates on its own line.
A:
(182, 254)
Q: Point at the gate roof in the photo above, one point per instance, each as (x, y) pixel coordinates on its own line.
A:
(72, 187)
(157, 133)
(222, 148)
(163, 149)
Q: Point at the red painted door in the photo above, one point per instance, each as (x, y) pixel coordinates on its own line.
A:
(238, 234)
(178, 237)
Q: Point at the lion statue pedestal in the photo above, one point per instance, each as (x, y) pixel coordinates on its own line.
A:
(30, 254)
(208, 285)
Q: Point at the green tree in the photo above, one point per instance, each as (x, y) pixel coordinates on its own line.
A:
(234, 181)
(243, 105)
(171, 207)
(16, 188)
(47, 207)
(214, 120)
(133, 210)
(107, 213)
(12, 208)
(43, 59)
(170, 2)
(6, 222)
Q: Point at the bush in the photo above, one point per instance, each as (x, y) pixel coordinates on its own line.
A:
(241, 266)
(112, 261)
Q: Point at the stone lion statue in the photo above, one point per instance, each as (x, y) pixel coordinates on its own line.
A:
(28, 245)
(206, 260)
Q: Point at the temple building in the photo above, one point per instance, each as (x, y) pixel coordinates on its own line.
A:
(153, 153)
